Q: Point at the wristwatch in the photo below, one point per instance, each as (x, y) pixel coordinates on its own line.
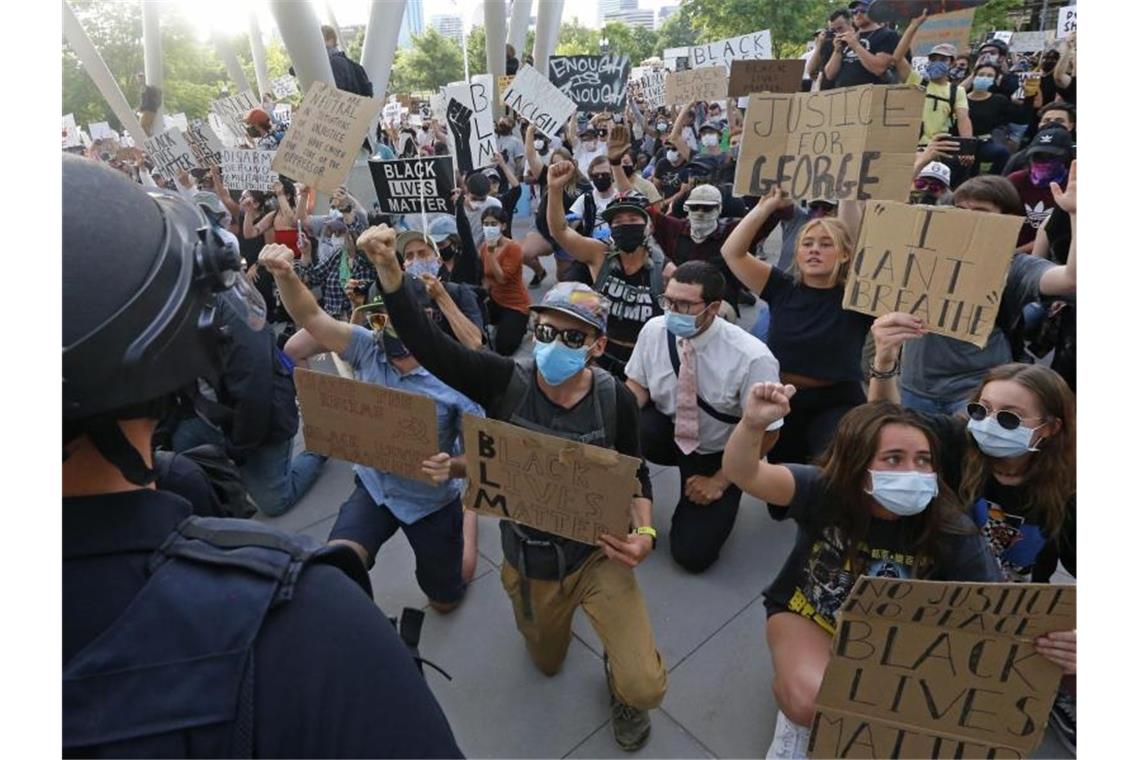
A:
(646, 530)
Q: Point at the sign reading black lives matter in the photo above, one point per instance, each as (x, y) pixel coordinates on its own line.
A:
(205, 144)
(170, 153)
(593, 82)
(412, 185)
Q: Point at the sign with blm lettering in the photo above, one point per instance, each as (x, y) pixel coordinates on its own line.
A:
(944, 265)
(748, 77)
(709, 83)
(940, 669)
(413, 185)
(232, 111)
(593, 82)
(327, 131)
(170, 153)
(248, 169)
(951, 28)
(471, 131)
(533, 97)
(747, 47)
(853, 143)
(204, 144)
(366, 423)
(563, 487)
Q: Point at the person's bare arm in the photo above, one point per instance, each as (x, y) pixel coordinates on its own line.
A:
(1061, 74)
(224, 194)
(940, 146)
(876, 63)
(750, 270)
(299, 301)
(640, 392)
(1040, 243)
(512, 180)
(617, 145)
(587, 250)
(905, 41)
(464, 329)
(814, 63)
(494, 271)
(1062, 280)
(741, 463)
(532, 159)
(831, 68)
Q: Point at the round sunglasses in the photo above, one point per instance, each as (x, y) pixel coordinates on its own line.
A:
(1006, 419)
(571, 338)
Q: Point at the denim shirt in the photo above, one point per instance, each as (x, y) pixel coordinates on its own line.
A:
(409, 500)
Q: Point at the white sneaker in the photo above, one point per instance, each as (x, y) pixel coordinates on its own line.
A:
(790, 741)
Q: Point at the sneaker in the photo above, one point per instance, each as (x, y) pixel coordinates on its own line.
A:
(630, 725)
(789, 741)
(536, 281)
(1063, 719)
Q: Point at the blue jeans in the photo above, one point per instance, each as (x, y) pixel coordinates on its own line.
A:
(274, 481)
(929, 405)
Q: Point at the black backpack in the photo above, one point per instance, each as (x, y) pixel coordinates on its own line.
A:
(225, 479)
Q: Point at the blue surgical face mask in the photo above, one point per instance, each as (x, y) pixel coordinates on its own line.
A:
(557, 363)
(937, 70)
(681, 325)
(491, 234)
(903, 493)
(996, 441)
(983, 84)
(423, 266)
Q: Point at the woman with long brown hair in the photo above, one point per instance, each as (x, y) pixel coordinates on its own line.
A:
(1013, 463)
(819, 343)
(875, 505)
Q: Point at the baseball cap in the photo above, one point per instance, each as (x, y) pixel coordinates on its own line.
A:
(946, 49)
(629, 201)
(703, 195)
(858, 5)
(1055, 141)
(714, 125)
(936, 170)
(588, 132)
(441, 227)
(577, 300)
(822, 199)
(408, 236)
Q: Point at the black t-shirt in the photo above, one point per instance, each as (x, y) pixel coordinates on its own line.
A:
(816, 577)
(810, 331)
(1050, 90)
(631, 306)
(669, 175)
(332, 679)
(1011, 528)
(985, 115)
(851, 70)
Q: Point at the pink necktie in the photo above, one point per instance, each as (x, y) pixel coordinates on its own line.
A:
(685, 431)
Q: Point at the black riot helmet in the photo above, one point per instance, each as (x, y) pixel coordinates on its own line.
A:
(141, 274)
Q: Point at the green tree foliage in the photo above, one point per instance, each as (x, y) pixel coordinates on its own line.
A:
(431, 62)
(575, 39)
(675, 31)
(637, 42)
(791, 23)
(994, 17)
(477, 51)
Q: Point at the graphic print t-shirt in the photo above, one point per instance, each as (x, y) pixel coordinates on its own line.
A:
(817, 577)
(632, 303)
(1038, 203)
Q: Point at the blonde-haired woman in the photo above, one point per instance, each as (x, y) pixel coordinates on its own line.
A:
(818, 343)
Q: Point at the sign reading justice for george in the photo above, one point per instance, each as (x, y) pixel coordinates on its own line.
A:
(946, 266)
(940, 669)
(563, 487)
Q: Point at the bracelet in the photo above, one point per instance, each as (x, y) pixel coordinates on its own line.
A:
(646, 530)
(892, 372)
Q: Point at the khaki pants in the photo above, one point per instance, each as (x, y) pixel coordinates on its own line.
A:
(608, 593)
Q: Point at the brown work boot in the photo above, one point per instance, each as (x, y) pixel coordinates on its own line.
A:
(630, 725)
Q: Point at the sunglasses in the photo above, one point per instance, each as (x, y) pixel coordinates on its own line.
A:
(929, 184)
(600, 176)
(545, 333)
(602, 133)
(1008, 420)
(377, 321)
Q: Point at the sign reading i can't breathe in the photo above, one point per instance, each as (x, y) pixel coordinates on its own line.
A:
(593, 82)
(944, 265)
(563, 487)
(412, 185)
(940, 669)
(853, 143)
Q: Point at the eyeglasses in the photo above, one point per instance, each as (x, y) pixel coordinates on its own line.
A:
(679, 307)
(1007, 419)
(571, 338)
(932, 185)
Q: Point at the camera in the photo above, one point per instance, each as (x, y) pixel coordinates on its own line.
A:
(829, 34)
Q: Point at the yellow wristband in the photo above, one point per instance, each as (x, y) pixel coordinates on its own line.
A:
(646, 530)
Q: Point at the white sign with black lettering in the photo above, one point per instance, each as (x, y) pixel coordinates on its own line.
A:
(471, 131)
(747, 47)
(170, 153)
(284, 87)
(533, 97)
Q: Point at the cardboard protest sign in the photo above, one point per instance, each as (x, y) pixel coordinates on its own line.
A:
(413, 185)
(747, 47)
(951, 28)
(504, 82)
(696, 84)
(248, 169)
(232, 111)
(1028, 42)
(327, 132)
(944, 265)
(170, 153)
(438, 106)
(1003, 36)
(366, 423)
(284, 87)
(391, 113)
(940, 669)
(101, 130)
(593, 82)
(533, 97)
(853, 143)
(563, 487)
(471, 130)
(1066, 21)
(748, 77)
(221, 130)
(204, 144)
(175, 120)
(653, 88)
(70, 132)
(283, 112)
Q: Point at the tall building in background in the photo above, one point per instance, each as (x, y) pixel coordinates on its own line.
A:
(664, 12)
(631, 17)
(609, 7)
(413, 22)
(449, 25)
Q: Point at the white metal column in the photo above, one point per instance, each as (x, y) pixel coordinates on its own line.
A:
(301, 33)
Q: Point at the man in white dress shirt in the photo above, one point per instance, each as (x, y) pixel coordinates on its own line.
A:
(690, 372)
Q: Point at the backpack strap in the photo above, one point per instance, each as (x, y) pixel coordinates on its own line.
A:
(605, 388)
(605, 271)
(706, 407)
